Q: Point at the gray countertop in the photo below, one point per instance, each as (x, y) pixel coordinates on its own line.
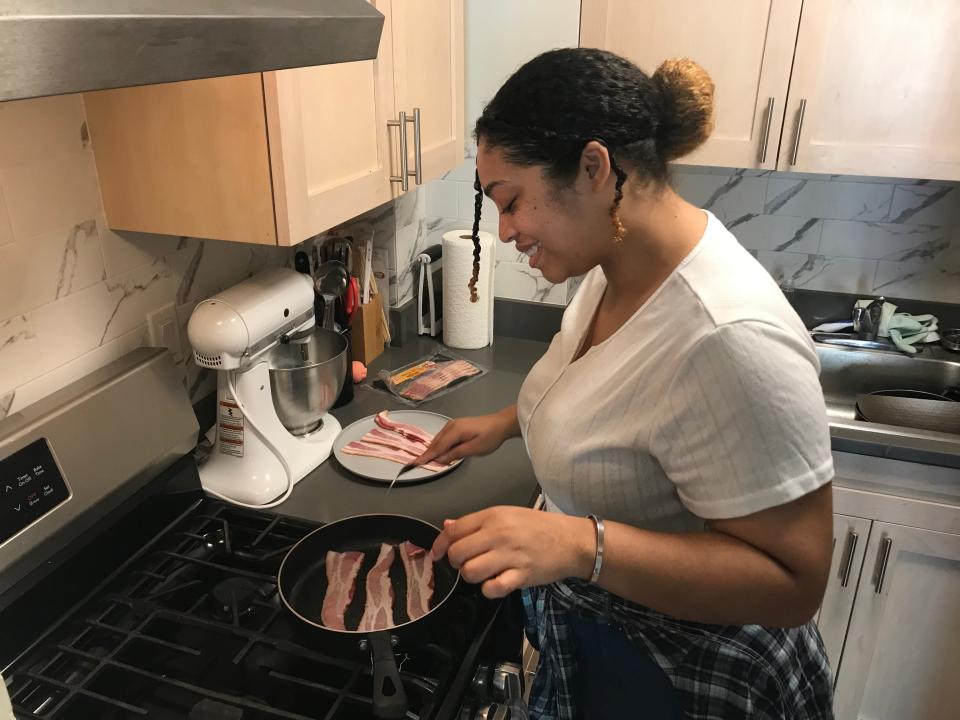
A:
(506, 476)
(502, 478)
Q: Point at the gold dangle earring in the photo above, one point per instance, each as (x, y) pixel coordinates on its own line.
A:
(619, 231)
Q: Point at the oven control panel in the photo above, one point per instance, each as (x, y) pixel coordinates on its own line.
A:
(30, 486)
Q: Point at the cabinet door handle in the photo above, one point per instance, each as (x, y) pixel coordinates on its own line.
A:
(404, 177)
(796, 140)
(852, 539)
(417, 152)
(885, 546)
(766, 133)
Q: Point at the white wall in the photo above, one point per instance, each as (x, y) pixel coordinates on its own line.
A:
(501, 35)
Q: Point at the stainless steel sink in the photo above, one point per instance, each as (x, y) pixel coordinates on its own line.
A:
(847, 372)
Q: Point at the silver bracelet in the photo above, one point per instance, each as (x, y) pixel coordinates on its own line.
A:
(598, 562)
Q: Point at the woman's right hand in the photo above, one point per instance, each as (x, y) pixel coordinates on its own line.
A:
(469, 436)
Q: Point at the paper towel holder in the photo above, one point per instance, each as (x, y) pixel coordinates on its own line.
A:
(429, 318)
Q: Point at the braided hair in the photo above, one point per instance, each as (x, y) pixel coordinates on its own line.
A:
(477, 203)
(560, 100)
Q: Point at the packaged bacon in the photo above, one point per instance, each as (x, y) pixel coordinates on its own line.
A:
(429, 377)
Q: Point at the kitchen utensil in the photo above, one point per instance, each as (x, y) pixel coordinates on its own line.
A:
(352, 300)
(367, 275)
(329, 304)
(950, 339)
(332, 282)
(345, 253)
(306, 378)
(910, 408)
(339, 249)
(302, 585)
(429, 318)
(402, 471)
(385, 471)
(332, 277)
(237, 333)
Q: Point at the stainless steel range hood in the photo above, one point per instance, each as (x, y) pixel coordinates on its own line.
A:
(50, 47)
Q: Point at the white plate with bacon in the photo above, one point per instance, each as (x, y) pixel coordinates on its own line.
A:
(376, 446)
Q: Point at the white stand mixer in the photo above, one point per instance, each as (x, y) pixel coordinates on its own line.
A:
(277, 376)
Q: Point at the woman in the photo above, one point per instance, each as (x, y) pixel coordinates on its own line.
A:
(676, 423)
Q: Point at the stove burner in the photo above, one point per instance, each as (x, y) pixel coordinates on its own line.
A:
(234, 597)
(193, 628)
(215, 539)
(212, 710)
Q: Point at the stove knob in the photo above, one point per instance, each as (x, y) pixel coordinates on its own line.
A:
(508, 682)
(481, 682)
(508, 687)
(493, 712)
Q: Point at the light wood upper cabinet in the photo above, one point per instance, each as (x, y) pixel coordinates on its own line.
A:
(881, 81)
(331, 154)
(281, 156)
(185, 158)
(901, 657)
(745, 45)
(873, 86)
(428, 75)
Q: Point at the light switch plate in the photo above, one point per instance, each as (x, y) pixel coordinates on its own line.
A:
(163, 331)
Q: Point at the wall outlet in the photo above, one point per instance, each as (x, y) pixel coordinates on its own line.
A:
(164, 331)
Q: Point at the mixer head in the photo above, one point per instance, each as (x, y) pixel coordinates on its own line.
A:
(230, 330)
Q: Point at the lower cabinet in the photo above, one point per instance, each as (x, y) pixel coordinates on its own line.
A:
(890, 621)
(849, 545)
(901, 658)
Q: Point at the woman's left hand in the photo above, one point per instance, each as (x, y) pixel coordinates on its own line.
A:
(507, 548)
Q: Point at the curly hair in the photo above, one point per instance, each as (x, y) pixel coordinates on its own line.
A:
(560, 100)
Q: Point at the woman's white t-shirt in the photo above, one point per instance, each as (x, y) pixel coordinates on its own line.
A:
(705, 404)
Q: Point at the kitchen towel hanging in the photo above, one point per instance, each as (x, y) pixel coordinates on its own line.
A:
(467, 325)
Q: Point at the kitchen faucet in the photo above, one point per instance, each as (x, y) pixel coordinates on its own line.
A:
(866, 319)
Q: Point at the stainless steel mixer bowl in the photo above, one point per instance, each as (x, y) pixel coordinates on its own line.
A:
(306, 377)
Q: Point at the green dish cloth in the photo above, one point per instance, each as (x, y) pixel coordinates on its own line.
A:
(906, 330)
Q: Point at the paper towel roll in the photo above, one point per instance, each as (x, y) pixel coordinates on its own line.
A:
(467, 325)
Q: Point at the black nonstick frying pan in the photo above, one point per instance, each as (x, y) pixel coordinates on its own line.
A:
(302, 584)
(912, 408)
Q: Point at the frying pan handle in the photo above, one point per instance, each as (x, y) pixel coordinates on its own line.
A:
(389, 697)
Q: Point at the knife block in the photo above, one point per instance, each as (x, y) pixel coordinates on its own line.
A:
(368, 336)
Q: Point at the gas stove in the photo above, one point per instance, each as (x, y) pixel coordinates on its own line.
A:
(142, 598)
(192, 627)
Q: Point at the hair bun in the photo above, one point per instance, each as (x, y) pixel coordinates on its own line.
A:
(687, 119)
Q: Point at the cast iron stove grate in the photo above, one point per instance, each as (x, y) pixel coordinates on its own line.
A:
(192, 627)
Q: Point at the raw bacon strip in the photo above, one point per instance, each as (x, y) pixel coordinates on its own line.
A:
(342, 569)
(378, 612)
(419, 569)
(358, 447)
(411, 432)
(393, 440)
(440, 377)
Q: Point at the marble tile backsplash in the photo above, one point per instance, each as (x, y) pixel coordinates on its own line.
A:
(898, 237)
(73, 294)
